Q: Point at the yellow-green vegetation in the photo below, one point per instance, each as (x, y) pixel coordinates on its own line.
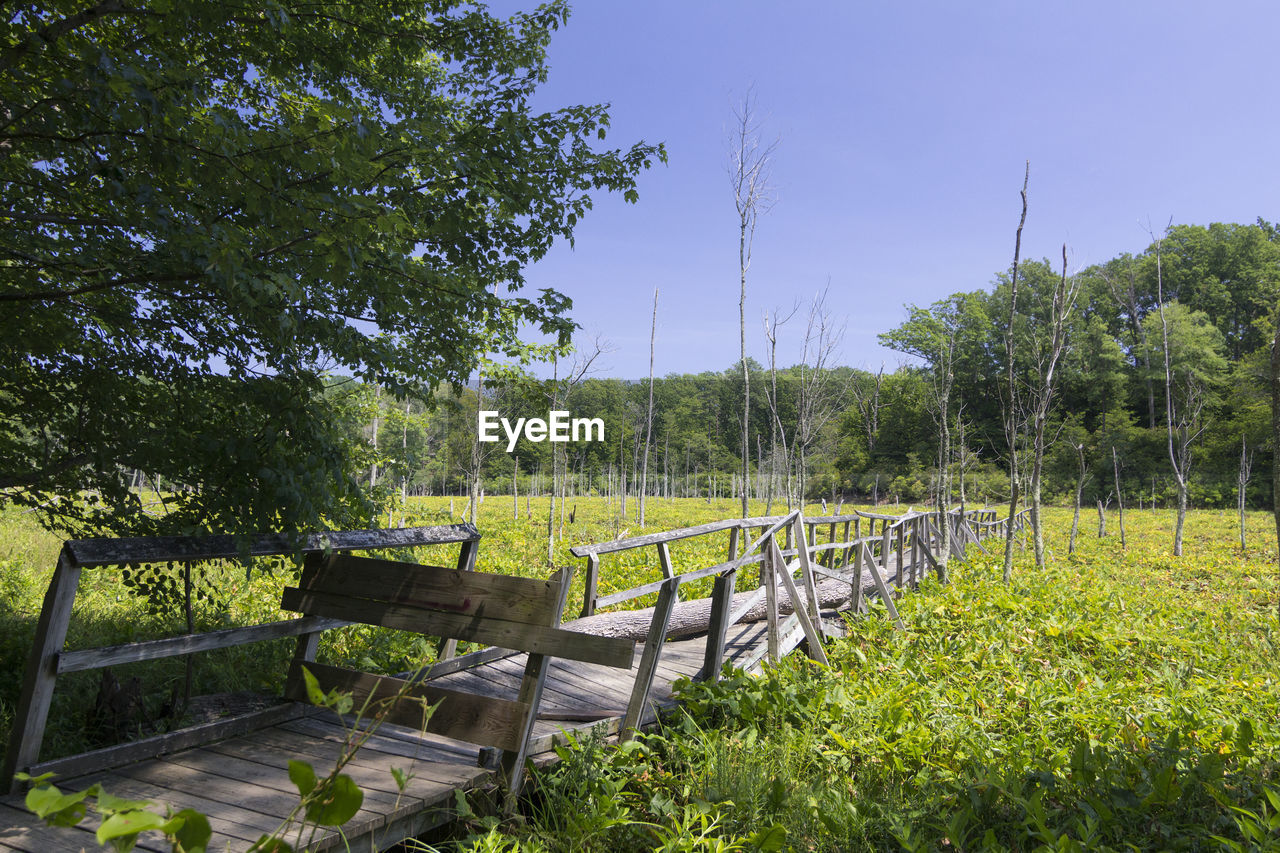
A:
(108, 612)
(1114, 698)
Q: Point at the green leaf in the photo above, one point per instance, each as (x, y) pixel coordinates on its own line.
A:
(303, 776)
(56, 808)
(314, 694)
(771, 839)
(109, 804)
(1244, 738)
(335, 802)
(401, 777)
(195, 832)
(122, 829)
(270, 844)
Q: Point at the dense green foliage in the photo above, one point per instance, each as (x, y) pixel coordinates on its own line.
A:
(210, 206)
(1120, 699)
(1222, 292)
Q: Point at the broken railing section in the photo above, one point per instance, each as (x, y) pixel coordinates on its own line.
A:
(48, 658)
(856, 550)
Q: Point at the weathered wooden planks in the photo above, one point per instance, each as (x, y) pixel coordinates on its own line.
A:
(497, 632)
(433, 588)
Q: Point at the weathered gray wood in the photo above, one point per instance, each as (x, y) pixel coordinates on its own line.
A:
(496, 632)
(734, 532)
(685, 577)
(649, 660)
(718, 624)
(590, 581)
(467, 555)
(770, 582)
(883, 589)
(171, 647)
(41, 674)
(161, 549)
(811, 592)
(433, 588)
(121, 754)
(816, 650)
(464, 716)
(457, 664)
(531, 687)
(790, 635)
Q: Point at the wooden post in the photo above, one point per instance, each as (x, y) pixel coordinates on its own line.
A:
(884, 591)
(733, 543)
(589, 590)
(885, 546)
(916, 569)
(664, 560)
(811, 590)
(718, 625)
(535, 676)
(467, 556)
(844, 538)
(42, 672)
(806, 624)
(649, 660)
(770, 581)
(902, 554)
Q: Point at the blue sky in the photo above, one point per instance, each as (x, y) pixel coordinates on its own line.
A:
(903, 129)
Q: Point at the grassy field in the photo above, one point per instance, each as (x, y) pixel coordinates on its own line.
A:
(1118, 699)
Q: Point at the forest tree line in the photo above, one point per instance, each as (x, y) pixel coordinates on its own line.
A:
(1205, 296)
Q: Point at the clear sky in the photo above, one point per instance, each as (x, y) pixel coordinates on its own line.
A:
(903, 129)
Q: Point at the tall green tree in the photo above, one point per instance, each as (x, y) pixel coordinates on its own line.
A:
(211, 205)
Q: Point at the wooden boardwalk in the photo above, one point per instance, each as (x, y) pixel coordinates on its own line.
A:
(238, 774)
(242, 783)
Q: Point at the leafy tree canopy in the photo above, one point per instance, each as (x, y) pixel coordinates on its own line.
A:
(211, 205)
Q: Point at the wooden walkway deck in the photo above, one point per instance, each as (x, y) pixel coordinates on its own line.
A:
(241, 780)
(242, 783)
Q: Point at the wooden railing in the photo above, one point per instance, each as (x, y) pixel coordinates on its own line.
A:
(48, 659)
(893, 551)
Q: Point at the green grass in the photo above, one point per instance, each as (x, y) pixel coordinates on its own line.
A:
(1113, 700)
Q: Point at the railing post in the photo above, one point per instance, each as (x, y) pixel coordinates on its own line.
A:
(718, 625)
(589, 584)
(32, 712)
(810, 589)
(649, 660)
(902, 556)
(844, 561)
(770, 579)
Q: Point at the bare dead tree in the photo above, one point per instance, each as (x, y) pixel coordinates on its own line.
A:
(1115, 463)
(868, 403)
(1012, 425)
(1082, 477)
(558, 389)
(1242, 481)
(1275, 438)
(777, 430)
(1182, 420)
(648, 421)
(820, 391)
(373, 438)
(1064, 301)
(749, 164)
(1126, 294)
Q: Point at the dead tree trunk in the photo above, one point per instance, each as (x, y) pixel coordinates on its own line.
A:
(648, 421)
(749, 164)
(1242, 481)
(1115, 462)
(1012, 426)
(1275, 439)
